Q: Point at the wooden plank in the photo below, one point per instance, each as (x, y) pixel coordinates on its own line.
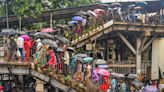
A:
(149, 43)
(121, 65)
(127, 42)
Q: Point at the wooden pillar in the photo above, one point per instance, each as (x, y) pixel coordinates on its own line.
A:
(39, 86)
(138, 57)
(51, 20)
(155, 61)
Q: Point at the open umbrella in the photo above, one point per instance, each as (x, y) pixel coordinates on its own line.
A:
(8, 32)
(50, 43)
(77, 18)
(70, 49)
(103, 72)
(115, 5)
(47, 30)
(142, 3)
(151, 89)
(92, 13)
(60, 50)
(100, 61)
(87, 59)
(138, 8)
(43, 35)
(81, 55)
(99, 11)
(62, 26)
(72, 22)
(25, 37)
(117, 74)
(104, 66)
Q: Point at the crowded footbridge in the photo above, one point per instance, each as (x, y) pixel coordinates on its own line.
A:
(113, 48)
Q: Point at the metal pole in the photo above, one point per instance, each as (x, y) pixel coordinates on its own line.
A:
(51, 21)
(7, 16)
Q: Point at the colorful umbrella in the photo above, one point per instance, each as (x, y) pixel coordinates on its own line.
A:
(77, 18)
(25, 37)
(151, 89)
(103, 72)
(99, 11)
(142, 4)
(72, 22)
(1, 86)
(87, 60)
(47, 30)
(103, 66)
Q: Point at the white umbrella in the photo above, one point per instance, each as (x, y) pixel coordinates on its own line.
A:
(100, 61)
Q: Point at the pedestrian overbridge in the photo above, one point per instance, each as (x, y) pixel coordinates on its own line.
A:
(25, 69)
(115, 26)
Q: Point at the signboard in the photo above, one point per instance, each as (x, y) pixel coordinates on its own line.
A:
(88, 46)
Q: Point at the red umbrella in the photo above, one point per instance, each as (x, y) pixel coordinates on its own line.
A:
(46, 30)
(99, 11)
(103, 72)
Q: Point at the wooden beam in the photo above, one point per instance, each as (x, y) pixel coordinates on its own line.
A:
(142, 44)
(127, 42)
(149, 43)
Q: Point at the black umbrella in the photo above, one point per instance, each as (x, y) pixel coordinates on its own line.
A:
(50, 43)
(62, 26)
(8, 32)
(116, 5)
(70, 49)
(44, 35)
(61, 39)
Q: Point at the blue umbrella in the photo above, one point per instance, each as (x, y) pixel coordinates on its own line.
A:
(72, 22)
(77, 18)
(142, 4)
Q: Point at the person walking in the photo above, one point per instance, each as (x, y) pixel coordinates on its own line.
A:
(66, 59)
(20, 45)
(52, 62)
(78, 74)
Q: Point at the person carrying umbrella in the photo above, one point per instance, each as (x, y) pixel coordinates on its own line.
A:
(78, 73)
(52, 62)
(20, 45)
(66, 60)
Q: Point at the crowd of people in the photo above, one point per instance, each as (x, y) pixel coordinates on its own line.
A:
(28, 48)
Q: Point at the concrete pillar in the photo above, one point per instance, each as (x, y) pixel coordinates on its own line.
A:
(39, 86)
(56, 90)
(155, 60)
(138, 57)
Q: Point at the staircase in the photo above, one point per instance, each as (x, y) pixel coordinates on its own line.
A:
(91, 35)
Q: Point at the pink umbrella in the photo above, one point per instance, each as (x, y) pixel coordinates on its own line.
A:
(46, 30)
(99, 11)
(103, 72)
(25, 37)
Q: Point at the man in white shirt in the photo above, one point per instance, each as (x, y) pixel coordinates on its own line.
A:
(20, 44)
(66, 59)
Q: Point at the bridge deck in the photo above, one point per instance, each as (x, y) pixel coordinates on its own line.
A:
(25, 69)
(115, 26)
